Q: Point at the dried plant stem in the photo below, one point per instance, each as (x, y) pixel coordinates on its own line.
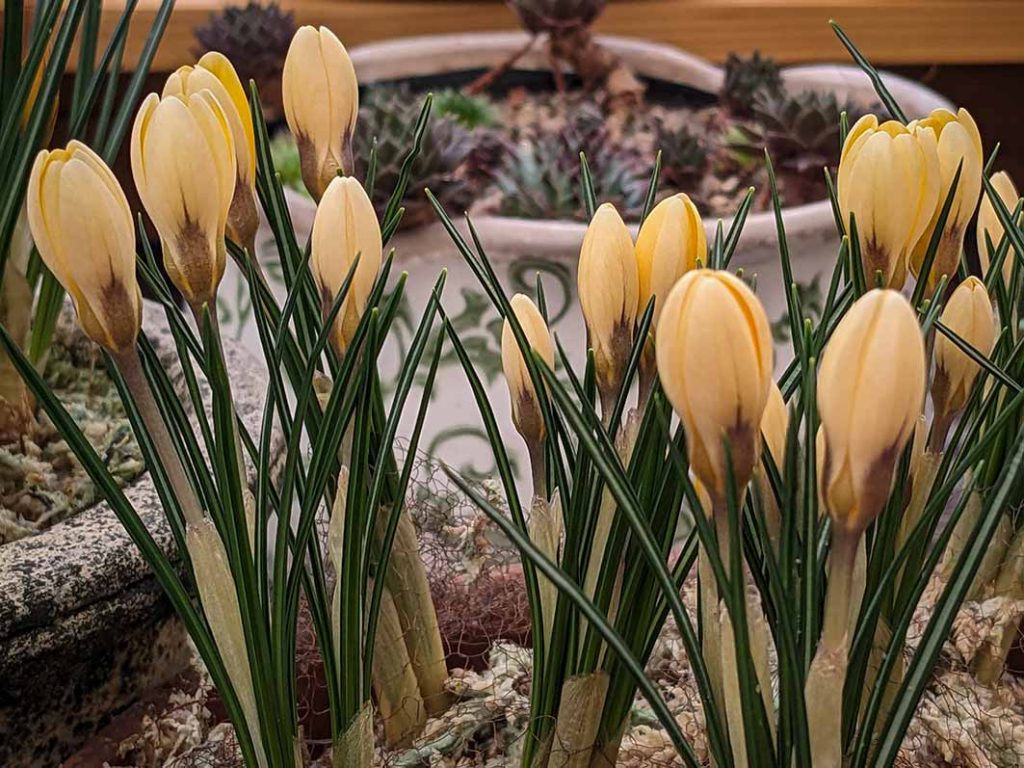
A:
(546, 533)
(648, 375)
(757, 641)
(354, 749)
(579, 718)
(409, 597)
(827, 675)
(488, 78)
(130, 366)
(983, 585)
(414, 605)
(731, 687)
(394, 679)
(1009, 585)
(219, 599)
(769, 507)
(711, 640)
(961, 534)
(606, 755)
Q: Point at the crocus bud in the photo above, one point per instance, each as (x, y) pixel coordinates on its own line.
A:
(775, 425)
(526, 413)
(82, 226)
(608, 288)
(321, 104)
(215, 73)
(889, 182)
(956, 139)
(715, 358)
(183, 161)
(871, 388)
(968, 313)
(989, 224)
(671, 242)
(345, 226)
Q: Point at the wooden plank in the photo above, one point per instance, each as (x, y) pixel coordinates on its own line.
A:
(890, 32)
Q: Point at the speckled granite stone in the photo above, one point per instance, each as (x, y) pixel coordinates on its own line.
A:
(84, 626)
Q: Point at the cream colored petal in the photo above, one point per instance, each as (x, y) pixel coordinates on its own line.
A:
(182, 179)
(140, 131)
(212, 120)
(343, 88)
(245, 144)
(45, 232)
(867, 124)
(305, 87)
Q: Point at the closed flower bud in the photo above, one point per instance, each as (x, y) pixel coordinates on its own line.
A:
(775, 425)
(889, 183)
(183, 161)
(83, 228)
(956, 139)
(345, 226)
(321, 104)
(608, 289)
(990, 226)
(968, 313)
(215, 73)
(526, 413)
(715, 358)
(671, 243)
(871, 388)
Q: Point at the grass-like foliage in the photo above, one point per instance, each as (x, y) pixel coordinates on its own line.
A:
(243, 508)
(622, 490)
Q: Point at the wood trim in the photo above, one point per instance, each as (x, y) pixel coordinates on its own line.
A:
(890, 32)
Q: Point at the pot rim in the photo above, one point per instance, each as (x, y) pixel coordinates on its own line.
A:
(437, 54)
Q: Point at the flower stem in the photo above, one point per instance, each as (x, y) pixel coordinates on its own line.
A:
(130, 366)
(827, 675)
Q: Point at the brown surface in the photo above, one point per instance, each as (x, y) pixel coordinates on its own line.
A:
(894, 31)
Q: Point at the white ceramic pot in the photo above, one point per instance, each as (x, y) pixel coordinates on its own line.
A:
(809, 228)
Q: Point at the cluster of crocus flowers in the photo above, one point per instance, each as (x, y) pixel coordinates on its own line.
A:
(321, 105)
(893, 182)
(888, 185)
